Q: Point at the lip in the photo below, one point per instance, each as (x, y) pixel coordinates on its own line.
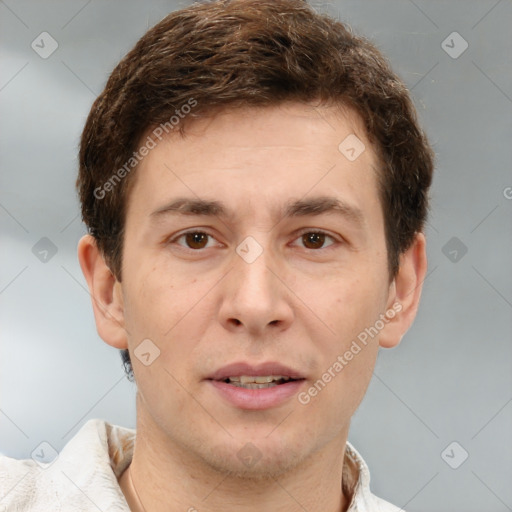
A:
(256, 399)
(243, 368)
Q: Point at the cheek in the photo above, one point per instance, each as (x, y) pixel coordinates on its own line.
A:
(156, 301)
(347, 351)
(155, 314)
(164, 307)
(339, 389)
(346, 307)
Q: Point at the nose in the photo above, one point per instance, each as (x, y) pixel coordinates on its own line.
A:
(256, 299)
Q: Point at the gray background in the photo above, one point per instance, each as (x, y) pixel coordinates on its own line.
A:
(449, 380)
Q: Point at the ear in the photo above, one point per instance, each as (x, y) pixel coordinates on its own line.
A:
(106, 293)
(404, 293)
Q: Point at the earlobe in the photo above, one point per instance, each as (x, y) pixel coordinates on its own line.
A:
(105, 293)
(405, 292)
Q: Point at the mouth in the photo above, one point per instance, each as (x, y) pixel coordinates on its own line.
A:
(249, 375)
(258, 382)
(262, 386)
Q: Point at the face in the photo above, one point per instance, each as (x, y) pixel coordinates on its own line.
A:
(276, 271)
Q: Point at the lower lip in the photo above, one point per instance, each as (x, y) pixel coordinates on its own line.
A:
(255, 399)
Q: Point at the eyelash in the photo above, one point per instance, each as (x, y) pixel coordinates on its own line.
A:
(300, 234)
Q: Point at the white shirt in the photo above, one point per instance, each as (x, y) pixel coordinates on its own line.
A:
(84, 476)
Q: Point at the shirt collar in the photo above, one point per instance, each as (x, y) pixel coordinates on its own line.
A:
(111, 448)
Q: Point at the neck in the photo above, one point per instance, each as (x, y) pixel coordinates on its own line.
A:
(165, 476)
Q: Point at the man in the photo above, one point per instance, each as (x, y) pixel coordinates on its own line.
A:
(255, 187)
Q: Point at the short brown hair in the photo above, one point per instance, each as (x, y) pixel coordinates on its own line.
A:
(241, 53)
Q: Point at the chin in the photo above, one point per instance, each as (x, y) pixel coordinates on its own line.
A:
(254, 461)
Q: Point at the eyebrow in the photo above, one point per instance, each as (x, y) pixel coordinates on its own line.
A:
(298, 208)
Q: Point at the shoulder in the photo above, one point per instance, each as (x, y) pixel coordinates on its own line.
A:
(82, 472)
(17, 482)
(380, 505)
(363, 500)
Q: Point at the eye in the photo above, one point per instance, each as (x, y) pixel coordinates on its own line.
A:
(197, 240)
(315, 239)
(193, 239)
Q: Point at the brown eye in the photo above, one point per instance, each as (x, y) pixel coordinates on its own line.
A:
(313, 240)
(196, 239)
(316, 240)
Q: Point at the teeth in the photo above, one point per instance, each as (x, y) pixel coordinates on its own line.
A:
(257, 382)
(253, 385)
(263, 379)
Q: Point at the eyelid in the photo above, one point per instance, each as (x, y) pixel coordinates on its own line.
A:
(297, 235)
(317, 231)
(176, 237)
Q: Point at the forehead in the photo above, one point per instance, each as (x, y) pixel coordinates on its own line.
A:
(254, 156)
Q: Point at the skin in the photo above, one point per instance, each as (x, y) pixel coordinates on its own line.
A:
(300, 303)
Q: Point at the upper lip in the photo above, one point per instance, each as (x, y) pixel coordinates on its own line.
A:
(254, 370)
